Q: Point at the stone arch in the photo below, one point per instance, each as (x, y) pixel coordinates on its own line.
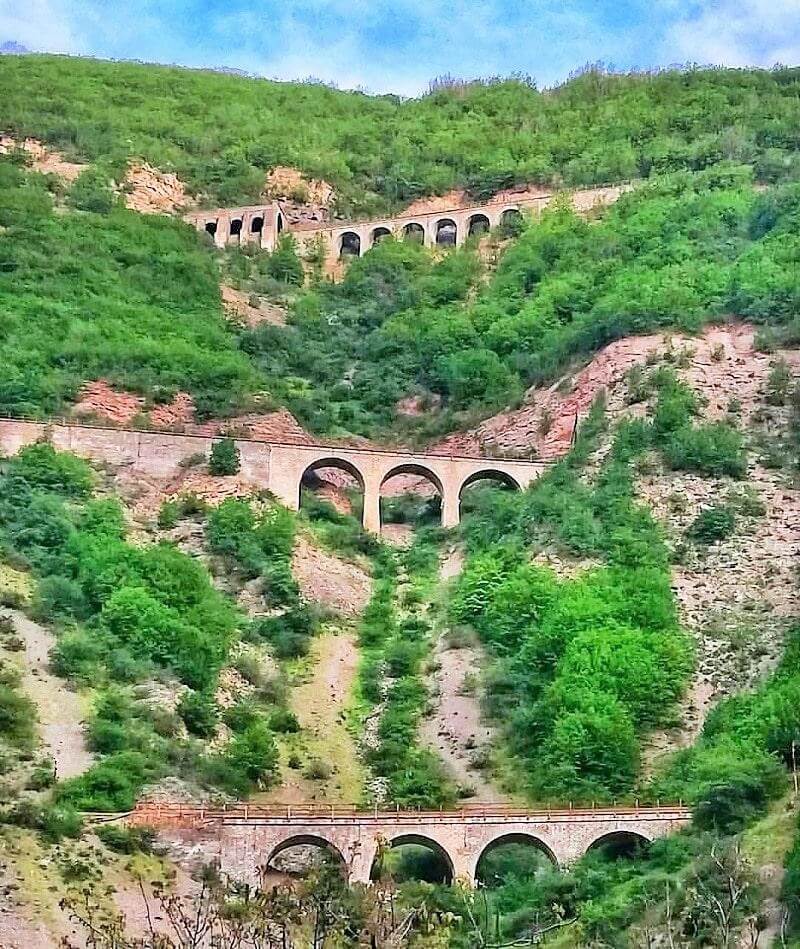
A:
(446, 232)
(378, 234)
(308, 840)
(530, 840)
(421, 840)
(490, 474)
(279, 222)
(236, 227)
(510, 217)
(257, 224)
(350, 244)
(620, 842)
(414, 231)
(211, 228)
(330, 462)
(413, 468)
(478, 224)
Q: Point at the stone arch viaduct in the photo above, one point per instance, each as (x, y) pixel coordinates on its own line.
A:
(262, 224)
(245, 839)
(274, 466)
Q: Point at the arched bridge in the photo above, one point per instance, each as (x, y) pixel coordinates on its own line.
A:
(244, 840)
(372, 468)
(262, 224)
(276, 466)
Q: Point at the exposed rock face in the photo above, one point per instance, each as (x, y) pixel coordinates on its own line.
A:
(330, 581)
(303, 200)
(238, 307)
(43, 159)
(150, 191)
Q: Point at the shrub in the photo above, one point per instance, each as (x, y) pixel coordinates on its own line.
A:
(127, 840)
(17, 713)
(284, 264)
(252, 755)
(318, 770)
(713, 524)
(713, 449)
(199, 713)
(283, 720)
(224, 459)
(790, 889)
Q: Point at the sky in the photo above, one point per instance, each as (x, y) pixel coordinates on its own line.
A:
(399, 45)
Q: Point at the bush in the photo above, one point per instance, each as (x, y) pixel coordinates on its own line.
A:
(224, 459)
(199, 713)
(127, 840)
(714, 449)
(284, 264)
(17, 713)
(712, 524)
(284, 721)
(252, 757)
(790, 889)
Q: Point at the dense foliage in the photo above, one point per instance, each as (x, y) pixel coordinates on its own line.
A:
(116, 295)
(222, 132)
(683, 249)
(127, 614)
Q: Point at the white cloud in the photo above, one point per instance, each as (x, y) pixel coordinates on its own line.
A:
(737, 33)
(40, 24)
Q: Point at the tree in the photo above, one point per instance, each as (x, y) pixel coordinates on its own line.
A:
(224, 458)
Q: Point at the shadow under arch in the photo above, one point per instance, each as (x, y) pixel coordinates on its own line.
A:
(619, 843)
(478, 224)
(308, 840)
(329, 462)
(446, 232)
(350, 244)
(417, 840)
(413, 469)
(379, 234)
(490, 474)
(414, 231)
(527, 840)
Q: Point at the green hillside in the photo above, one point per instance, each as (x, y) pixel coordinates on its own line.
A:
(184, 620)
(221, 132)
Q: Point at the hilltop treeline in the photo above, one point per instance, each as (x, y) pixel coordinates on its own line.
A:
(221, 132)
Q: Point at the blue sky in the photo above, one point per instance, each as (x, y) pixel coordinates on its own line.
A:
(398, 46)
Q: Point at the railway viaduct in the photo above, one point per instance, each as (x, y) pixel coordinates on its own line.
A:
(244, 840)
(276, 467)
(262, 224)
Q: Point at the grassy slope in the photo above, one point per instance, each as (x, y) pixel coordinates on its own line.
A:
(222, 132)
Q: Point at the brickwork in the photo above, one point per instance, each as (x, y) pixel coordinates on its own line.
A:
(245, 839)
(262, 224)
(279, 468)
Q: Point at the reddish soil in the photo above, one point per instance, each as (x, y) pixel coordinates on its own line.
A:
(43, 159)
(150, 191)
(304, 201)
(330, 581)
(238, 307)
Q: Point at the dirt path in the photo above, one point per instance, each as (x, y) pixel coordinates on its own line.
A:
(61, 716)
(320, 704)
(455, 729)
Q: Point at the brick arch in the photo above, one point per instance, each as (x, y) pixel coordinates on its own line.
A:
(476, 221)
(516, 837)
(378, 234)
(422, 840)
(413, 228)
(489, 474)
(619, 836)
(330, 462)
(309, 840)
(441, 224)
(349, 244)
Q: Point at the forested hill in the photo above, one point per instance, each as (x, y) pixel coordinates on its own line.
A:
(220, 132)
